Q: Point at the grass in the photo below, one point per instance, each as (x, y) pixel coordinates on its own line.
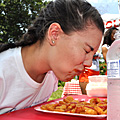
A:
(57, 94)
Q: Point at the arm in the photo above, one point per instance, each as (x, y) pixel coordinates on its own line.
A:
(104, 52)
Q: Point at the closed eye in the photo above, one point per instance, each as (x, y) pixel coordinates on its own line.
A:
(86, 51)
(90, 48)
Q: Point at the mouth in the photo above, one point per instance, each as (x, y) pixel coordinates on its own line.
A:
(77, 72)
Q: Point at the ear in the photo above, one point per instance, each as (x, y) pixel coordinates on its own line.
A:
(53, 33)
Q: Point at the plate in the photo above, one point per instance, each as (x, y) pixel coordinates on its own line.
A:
(38, 108)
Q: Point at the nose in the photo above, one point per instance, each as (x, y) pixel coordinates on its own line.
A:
(88, 59)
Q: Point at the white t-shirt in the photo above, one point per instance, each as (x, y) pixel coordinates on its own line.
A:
(17, 89)
(106, 46)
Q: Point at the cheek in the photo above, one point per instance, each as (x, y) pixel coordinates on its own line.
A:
(78, 56)
(67, 60)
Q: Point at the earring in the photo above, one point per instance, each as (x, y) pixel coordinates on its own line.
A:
(53, 42)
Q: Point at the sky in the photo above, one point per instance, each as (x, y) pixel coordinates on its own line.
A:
(105, 6)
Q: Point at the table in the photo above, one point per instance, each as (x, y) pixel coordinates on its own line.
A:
(31, 114)
(72, 88)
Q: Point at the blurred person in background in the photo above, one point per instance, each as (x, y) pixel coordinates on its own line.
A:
(107, 41)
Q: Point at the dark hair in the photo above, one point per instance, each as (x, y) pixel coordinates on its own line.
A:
(107, 36)
(72, 15)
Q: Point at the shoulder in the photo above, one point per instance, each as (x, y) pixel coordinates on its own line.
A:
(105, 46)
(7, 62)
(105, 49)
(8, 53)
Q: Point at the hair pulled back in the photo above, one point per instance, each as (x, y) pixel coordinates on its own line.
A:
(72, 15)
(107, 37)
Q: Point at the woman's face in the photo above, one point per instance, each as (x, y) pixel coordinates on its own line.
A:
(73, 52)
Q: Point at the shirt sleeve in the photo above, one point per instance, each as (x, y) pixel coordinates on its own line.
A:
(1, 88)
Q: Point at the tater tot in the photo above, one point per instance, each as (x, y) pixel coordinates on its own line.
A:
(99, 110)
(69, 105)
(90, 111)
(68, 99)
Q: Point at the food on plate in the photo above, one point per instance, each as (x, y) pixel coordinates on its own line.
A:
(70, 105)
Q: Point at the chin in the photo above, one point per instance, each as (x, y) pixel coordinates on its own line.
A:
(67, 80)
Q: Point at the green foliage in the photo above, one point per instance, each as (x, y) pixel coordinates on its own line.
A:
(57, 94)
(61, 83)
(103, 68)
(16, 16)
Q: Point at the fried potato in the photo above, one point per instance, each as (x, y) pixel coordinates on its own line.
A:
(91, 111)
(95, 101)
(68, 99)
(99, 110)
(69, 105)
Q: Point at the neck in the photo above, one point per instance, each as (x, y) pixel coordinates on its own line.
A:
(40, 78)
(34, 62)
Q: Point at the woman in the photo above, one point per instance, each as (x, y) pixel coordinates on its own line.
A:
(108, 40)
(63, 39)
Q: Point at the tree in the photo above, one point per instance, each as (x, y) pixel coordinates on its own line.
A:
(16, 16)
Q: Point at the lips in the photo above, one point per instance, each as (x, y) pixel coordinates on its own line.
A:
(72, 74)
(78, 72)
